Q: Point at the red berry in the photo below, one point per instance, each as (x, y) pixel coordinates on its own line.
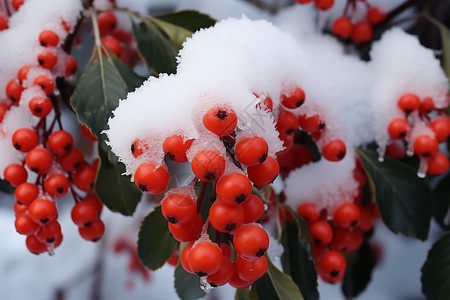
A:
(16, 4)
(437, 164)
(409, 103)
(56, 185)
(40, 107)
(427, 106)
(19, 208)
(324, 4)
(334, 150)
(92, 232)
(294, 99)
(15, 174)
(71, 161)
(205, 258)
(95, 201)
(113, 45)
(60, 142)
(265, 173)
(71, 66)
(175, 148)
(375, 16)
(34, 246)
(4, 20)
(398, 128)
(47, 59)
(42, 211)
(251, 151)
(224, 274)
(48, 38)
(365, 222)
(178, 208)
(26, 193)
(150, 179)
(23, 73)
(208, 165)
(331, 266)
(13, 91)
(25, 225)
(310, 123)
(49, 232)
(396, 149)
(362, 32)
(225, 217)
(346, 215)
(84, 214)
(3, 110)
(184, 257)
(342, 27)
(234, 188)
(187, 231)
(251, 241)
(251, 270)
(39, 160)
(425, 145)
(138, 147)
(84, 178)
(237, 282)
(47, 84)
(25, 139)
(220, 120)
(107, 22)
(441, 129)
(309, 212)
(347, 240)
(303, 1)
(287, 122)
(321, 232)
(253, 209)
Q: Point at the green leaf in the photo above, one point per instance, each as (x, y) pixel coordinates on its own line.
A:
(403, 199)
(105, 80)
(117, 192)
(297, 260)
(276, 285)
(187, 285)
(445, 39)
(181, 25)
(359, 271)
(155, 47)
(246, 294)
(5, 187)
(155, 243)
(436, 270)
(442, 202)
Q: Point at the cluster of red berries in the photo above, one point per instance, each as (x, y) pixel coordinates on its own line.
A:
(362, 30)
(49, 154)
(5, 12)
(343, 231)
(435, 125)
(313, 124)
(116, 40)
(320, 4)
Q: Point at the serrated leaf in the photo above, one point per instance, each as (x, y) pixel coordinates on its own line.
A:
(442, 202)
(403, 199)
(246, 294)
(105, 80)
(297, 260)
(181, 25)
(117, 192)
(360, 265)
(155, 47)
(436, 270)
(187, 285)
(155, 243)
(276, 285)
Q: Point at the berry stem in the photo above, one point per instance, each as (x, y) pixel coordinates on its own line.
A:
(201, 195)
(5, 4)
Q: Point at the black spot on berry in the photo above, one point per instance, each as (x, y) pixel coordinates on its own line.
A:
(35, 170)
(427, 154)
(172, 220)
(241, 198)
(13, 99)
(260, 252)
(37, 110)
(41, 61)
(201, 274)
(17, 146)
(60, 190)
(212, 284)
(133, 148)
(77, 165)
(290, 130)
(402, 134)
(230, 227)
(299, 103)
(263, 158)
(170, 156)
(45, 220)
(221, 114)
(43, 44)
(318, 241)
(341, 154)
(143, 187)
(50, 240)
(87, 224)
(408, 111)
(334, 273)
(353, 223)
(210, 176)
(95, 240)
(67, 147)
(321, 126)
